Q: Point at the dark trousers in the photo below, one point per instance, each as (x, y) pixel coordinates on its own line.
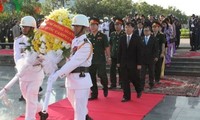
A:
(177, 42)
(151, 68)
(113, 71)
(130, 75)
(101, 70)
(3, 40)
(193, 41)
(10, 40)
(158, 67)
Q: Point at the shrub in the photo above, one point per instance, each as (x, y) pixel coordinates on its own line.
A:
(185, 33)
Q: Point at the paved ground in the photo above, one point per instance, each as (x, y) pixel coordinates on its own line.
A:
(171, 108)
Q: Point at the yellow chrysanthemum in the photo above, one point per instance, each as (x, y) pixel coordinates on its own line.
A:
(61, 16)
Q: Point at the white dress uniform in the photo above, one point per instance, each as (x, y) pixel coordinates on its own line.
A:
(30, 81)
(105, 27)
(78, 88)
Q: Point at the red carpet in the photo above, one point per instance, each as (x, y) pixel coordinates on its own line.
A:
(110, 108)
(6, 52)
(190, 54)
(177, 86)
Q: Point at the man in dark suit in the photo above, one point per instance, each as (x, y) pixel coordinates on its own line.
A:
(150, 56)
(129, 60)
(139, 31)
(192, 23)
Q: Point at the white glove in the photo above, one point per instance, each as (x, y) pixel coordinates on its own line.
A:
(53, 77)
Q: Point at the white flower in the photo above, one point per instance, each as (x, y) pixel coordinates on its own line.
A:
(60, 22)
(63, 44)
(43, 23)
(67, 46)
(43, 38)
(60, 18)
(59, 52)
(42, 50)
(43, 46)
(56, 41)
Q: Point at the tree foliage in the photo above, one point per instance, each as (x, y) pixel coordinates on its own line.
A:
(50, 5)
(101, 8)
(116, 7)
(121, 8)
(98, 8)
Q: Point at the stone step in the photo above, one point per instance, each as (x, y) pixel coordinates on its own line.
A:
(178, 63)
(184, 59)
(184, 68)
(182, 73)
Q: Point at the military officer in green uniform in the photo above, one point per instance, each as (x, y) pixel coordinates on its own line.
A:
(114, 46)
(161, 44)
(101, 54)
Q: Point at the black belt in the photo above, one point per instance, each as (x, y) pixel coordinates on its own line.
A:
(81, 69)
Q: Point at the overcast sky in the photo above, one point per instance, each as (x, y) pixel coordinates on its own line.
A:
(189, 7)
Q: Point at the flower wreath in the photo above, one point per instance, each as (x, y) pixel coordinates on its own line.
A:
(53, 39)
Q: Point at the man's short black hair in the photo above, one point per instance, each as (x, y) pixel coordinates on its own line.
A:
(130, 24)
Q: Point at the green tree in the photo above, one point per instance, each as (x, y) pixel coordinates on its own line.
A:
(146, 9)
(101, 8)
(50, 5)
(88, 7)
(176, 12)
(119, 8)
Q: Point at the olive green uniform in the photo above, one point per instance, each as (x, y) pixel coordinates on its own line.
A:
(114, 43)
(161, 40)
(100, 43)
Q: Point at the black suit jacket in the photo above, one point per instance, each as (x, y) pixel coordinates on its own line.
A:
(150, 51)
(137, 32)
(130, 56)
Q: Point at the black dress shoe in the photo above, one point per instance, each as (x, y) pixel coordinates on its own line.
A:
(21, 98)
(125, 100)
(105, 92)
(88, 117)
(93, 98)
(43, 116)
(139, 95)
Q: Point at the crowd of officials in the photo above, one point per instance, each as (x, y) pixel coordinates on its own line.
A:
(130, 45)
(194, 27)
(9, 30)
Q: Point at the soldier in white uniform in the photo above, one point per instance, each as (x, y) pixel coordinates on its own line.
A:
(78, 81)
(105, 26)
(32, 78)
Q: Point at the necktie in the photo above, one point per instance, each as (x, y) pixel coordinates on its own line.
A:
(140, 31)
(128, 40)
(146, 40)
